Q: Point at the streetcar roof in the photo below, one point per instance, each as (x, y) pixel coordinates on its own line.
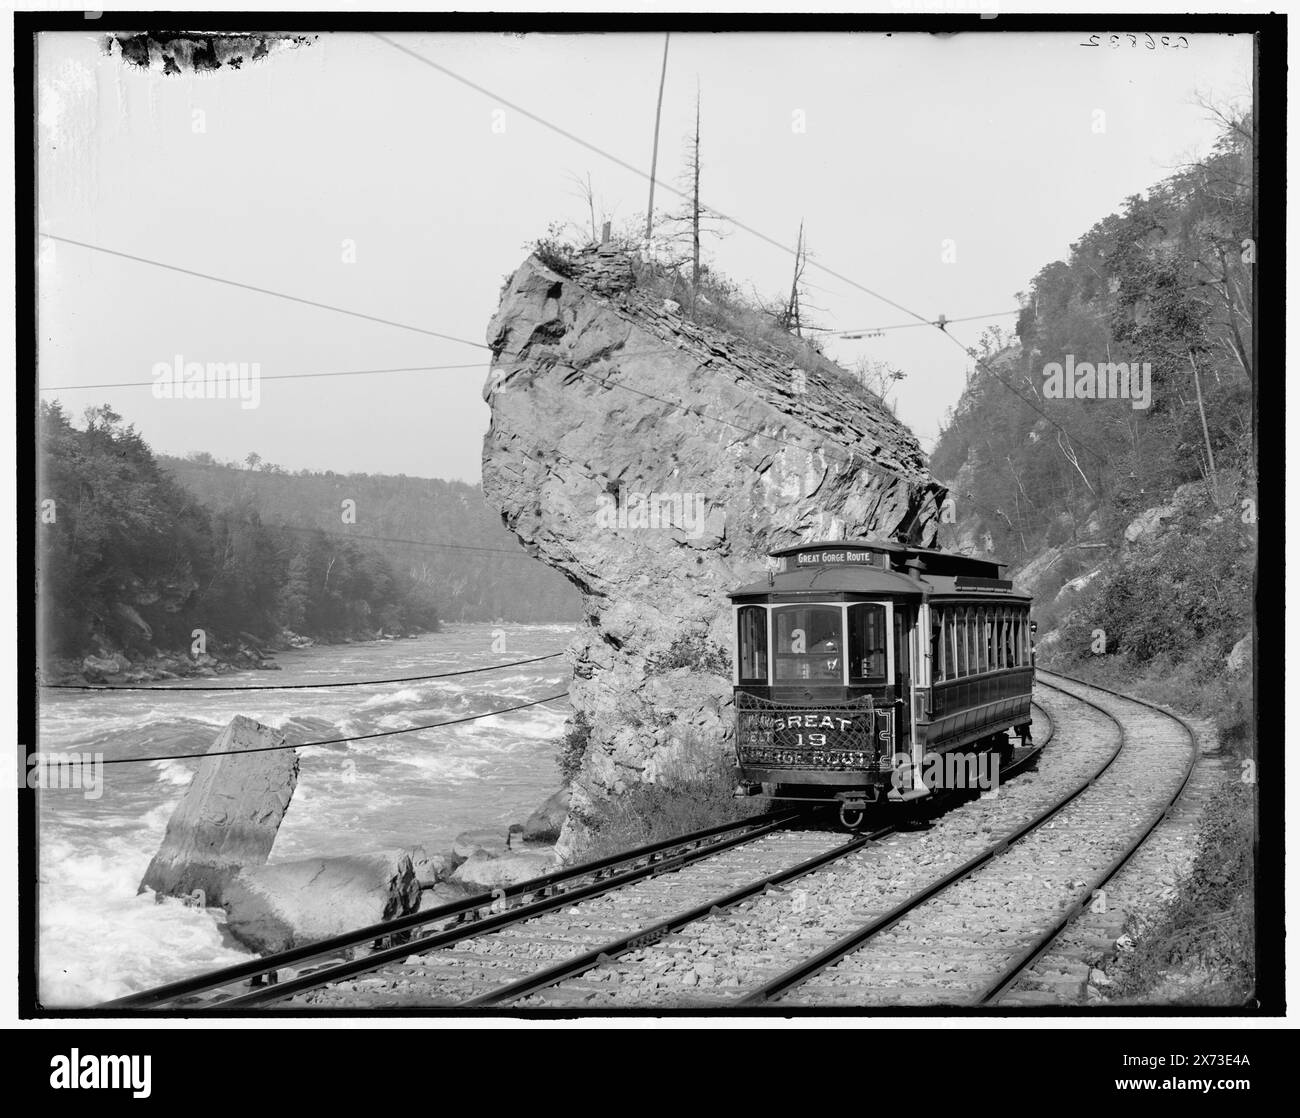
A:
(833, 580)
(874, 581)
(954, 560)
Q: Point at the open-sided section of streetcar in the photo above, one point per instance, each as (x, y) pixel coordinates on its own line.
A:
(854, 660)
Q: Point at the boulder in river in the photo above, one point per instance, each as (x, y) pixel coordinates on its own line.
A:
(288, 904)
(432, 868)
(490, 841)
(444, 893)
(229, 814)
(545, 823)
(482, 871)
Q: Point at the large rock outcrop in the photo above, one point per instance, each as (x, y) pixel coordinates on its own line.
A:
(229, 815)
(655, 462)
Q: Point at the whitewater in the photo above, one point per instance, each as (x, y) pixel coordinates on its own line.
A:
(100, 940)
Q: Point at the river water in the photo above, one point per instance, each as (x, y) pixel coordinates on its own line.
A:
(99, 940)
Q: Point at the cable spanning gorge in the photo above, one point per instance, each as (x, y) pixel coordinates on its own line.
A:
(959, 904)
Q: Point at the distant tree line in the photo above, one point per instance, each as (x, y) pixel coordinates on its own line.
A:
(456, 545)
(136, 551)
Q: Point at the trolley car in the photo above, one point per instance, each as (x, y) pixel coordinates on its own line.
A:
(859, 662)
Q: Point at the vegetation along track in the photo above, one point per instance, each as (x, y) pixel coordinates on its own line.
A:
(755, 913)
(970, 936)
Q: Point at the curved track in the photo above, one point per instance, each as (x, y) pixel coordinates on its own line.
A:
(971, 935)
(963, 931)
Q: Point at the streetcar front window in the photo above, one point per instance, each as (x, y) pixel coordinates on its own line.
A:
(809, 643)
(752, 625)
(867, 644)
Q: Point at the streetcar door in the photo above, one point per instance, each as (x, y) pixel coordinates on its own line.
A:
(904, 622)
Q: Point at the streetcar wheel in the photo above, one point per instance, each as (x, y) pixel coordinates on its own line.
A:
(851, 818)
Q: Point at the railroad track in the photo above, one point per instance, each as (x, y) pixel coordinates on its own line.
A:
(756, 913)
(971, 935)
(718, 868)
(337, 957)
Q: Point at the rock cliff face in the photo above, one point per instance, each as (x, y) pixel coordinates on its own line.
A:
(655, 462)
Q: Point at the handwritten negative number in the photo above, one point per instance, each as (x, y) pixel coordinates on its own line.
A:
(1169, 42)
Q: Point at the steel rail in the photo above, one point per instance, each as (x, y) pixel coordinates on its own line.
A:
(652, 853)
(468, 910)
(999, 986)
(567, 968)
(644, 936)
(801, 972)
(401, 951)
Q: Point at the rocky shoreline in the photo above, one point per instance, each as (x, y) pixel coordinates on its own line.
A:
(280, 905)
(215, 849)
(243, 652)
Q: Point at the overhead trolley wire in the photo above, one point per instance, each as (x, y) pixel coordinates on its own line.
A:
(73, 760)
(940, 322)
(634, 169)
(278, 376)
(264, 291)
(296, 686)
(921, 319)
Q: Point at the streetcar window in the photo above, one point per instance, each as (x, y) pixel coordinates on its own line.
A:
(938, 660)
(963, 657)
(752, 624)
(809, 640)
(952, 643)
(867, 647)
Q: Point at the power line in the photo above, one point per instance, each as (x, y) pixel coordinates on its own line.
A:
(313, 744)
(338, 373)
(849, 458)
(921, 319)
(297, 686)
(939, 322)
(394, 539)
(264, 291)
(278, 376)
(979, 361)
(637, 171)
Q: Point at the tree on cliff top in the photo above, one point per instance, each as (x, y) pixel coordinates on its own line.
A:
(686, 227)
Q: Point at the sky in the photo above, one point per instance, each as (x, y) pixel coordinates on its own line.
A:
(941, 173)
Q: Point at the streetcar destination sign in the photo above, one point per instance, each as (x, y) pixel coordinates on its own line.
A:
(972, 582)
(827, 558)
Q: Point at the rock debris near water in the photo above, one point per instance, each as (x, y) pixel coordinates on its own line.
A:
(751, 454)
(289, 904)
(229, 814)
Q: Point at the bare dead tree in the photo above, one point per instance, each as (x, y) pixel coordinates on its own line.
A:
(1073, 458)
(791, 316)
(587, 194)
(687, 227)
(1205, 428)
(695, 207)
(597, 212)
(879, 378)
